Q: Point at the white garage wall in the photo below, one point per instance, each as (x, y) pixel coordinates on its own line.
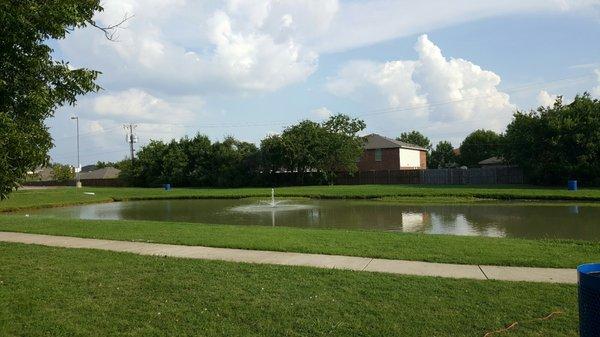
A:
(410, 158)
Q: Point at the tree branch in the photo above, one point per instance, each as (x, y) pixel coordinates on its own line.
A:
(110, 31)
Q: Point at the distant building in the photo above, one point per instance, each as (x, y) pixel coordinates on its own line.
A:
(492, 162)
(382, 153)
(88, 168)
(41, 174)
(108, 172)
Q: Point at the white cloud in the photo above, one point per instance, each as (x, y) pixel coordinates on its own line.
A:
(139, 106)
(545, 99)
(237, 45)
(321, 113)
(178, 46)
(596, 90)
(175, 55)
(95, 127)
(361, 23)
(256, 61)
(432, 87)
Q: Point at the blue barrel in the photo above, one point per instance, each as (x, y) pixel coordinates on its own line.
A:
(589, 299)
(167, 187)
(572, 185)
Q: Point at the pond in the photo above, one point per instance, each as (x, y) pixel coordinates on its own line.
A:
(518, 220)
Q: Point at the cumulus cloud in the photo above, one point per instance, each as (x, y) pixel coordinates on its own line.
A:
(546, 99)
(256, 61)
(439, 89)
(596, 90)
(175, 55)
(174, 45)
(139, 106)
(238, 45)
(321, 113)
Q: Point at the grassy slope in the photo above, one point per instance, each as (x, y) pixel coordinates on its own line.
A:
(63, 292)
(379, 244)
(68, 196)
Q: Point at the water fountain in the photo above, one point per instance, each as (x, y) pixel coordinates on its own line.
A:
(272, 205)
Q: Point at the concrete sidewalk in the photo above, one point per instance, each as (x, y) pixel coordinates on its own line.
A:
(476, 272)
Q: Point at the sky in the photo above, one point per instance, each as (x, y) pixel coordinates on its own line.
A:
(249, 68)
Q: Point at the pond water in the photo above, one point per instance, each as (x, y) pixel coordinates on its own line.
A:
(534, 220)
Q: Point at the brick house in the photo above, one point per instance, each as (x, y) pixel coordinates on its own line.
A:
(382, 153)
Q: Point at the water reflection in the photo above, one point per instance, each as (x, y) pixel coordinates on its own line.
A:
(502, 219)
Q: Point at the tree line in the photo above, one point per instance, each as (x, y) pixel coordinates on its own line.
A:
(551, 144)
(306, 149)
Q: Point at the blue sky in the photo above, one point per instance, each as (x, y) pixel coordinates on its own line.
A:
(249, 68)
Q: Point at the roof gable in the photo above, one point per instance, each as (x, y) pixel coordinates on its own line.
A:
(375, 141)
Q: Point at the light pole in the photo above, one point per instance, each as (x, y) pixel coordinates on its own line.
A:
(78, 168)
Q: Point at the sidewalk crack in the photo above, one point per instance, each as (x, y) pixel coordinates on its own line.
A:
(366, 265)
(484, 274)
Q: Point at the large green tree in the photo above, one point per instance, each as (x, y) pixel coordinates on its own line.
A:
(443, 156)
(304, 146)
(557, 143)
(343, 145)
(32, 83)
(272, 152)
(479, 145)
(198, 151)
(416, 138)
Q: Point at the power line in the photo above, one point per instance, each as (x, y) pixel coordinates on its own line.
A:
(365, 113)
(95, 133)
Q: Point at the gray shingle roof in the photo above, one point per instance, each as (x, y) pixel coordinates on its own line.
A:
(492, 161)
(375, 141)
(103, 173)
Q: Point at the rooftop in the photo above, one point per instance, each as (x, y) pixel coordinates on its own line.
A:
(375, 141)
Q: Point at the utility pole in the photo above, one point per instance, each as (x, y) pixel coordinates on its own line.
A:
(78, 168)
(131, 138)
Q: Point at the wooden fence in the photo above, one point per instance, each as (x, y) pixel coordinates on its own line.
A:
(85, 182)
(473, 176)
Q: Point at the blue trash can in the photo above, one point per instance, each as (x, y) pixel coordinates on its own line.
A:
(572, 185)
(589, 299)
(167, 187)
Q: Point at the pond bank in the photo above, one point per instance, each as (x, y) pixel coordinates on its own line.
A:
(372, 244)
(57, 197)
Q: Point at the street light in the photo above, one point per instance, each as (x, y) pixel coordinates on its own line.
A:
(78, 168)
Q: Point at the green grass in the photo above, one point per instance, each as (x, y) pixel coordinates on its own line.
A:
(72, 292)
(376, 244)
(69, 196)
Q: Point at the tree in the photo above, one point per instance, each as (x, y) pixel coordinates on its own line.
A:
(443, 156)
(557, 143)
(32, 83)
(233, 163)
(198, 151)
(174, 165)
(272, 152)
(416, 138)
(62, 172)
(342, 145)
(479, 145)
(304, 146)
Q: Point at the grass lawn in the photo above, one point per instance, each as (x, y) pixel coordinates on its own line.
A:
(377, 244)
(69, 196)
(65, 292)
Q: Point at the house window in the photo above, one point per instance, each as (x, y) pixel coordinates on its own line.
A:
(378, 154)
